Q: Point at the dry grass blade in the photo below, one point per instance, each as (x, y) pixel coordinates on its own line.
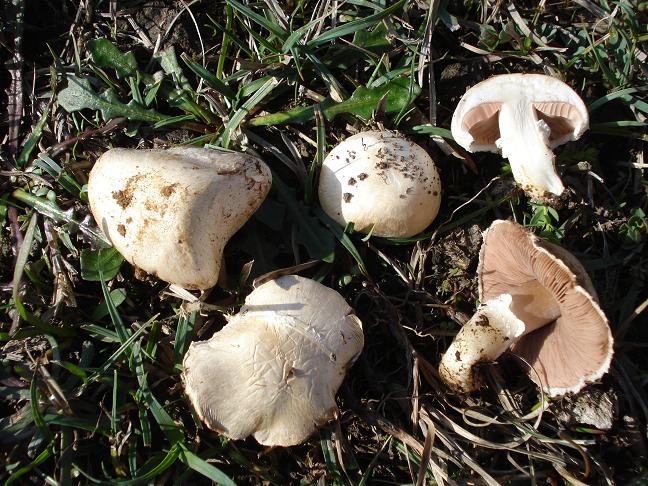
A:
(425, 456)
(15, 12)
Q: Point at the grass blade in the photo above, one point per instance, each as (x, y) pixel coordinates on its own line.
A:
(204, 468)
(355, 25)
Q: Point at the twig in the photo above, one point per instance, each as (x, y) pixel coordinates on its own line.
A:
(66, 144)
(15, 11)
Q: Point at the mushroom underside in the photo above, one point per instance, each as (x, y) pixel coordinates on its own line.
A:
(567, 341)
(482, 122)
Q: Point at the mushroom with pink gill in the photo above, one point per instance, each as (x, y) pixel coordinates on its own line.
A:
(523, 117)
(539, 303)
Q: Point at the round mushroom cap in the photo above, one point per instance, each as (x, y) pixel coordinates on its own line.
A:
(382, 183)
(274, 369)
(170, 212)
(475, 120)
(567, 341)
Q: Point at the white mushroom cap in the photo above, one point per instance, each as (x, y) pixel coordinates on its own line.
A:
(171, 212)
(523, 116)
(381, 182)
(274, 369)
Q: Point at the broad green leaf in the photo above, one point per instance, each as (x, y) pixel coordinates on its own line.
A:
(105, 54)
(362, 103)
(170, 65)
(106, 262)
(79, 94)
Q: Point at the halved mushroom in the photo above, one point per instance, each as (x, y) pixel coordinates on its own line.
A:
(524, 117)
(171, 212)
(566, 341)
(274, 369)
(382, 183)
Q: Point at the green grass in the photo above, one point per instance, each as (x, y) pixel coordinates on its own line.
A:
(90, 389)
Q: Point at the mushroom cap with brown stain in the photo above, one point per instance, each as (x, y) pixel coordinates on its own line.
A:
(567, 341)
(274, 369)
(475, 120)
(382, 183)
(170, 212)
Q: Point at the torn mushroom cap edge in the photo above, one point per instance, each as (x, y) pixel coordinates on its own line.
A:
(580, 286)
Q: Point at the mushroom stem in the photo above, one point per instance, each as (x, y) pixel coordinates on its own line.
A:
(487, 335)
(524, 142)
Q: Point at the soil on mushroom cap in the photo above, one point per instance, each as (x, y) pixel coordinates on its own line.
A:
(166, 191)
(125, 196)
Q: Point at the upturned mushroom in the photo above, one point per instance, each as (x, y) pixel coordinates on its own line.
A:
(382, 183)
(171, 212)
(539, 303)
(273, 370)
(523, 117)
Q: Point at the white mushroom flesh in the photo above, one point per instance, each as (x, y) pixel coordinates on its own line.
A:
(487, 335)
(171, 212)
(524, 142)
(274, 369)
